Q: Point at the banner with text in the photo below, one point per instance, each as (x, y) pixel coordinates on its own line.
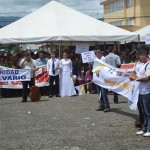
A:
(15, 75)
(106, 76)
(81, 48)
(14, 78)
(88, 56)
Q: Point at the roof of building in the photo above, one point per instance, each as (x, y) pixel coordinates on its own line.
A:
(107, 2)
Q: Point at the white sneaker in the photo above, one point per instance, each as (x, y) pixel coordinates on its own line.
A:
(140, 133)
(147, 134)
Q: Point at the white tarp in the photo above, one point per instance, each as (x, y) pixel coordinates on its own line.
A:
(56, 22)
(142, 32)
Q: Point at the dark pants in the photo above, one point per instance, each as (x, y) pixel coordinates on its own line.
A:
(141, 116)
(115, 97)
(25, 88)
(104, 98)
(145, 105)
(51, 82)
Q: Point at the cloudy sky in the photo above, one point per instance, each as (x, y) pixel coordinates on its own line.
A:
(24, 7)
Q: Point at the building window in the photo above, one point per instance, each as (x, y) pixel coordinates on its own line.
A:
(116, 23)
(129, 21)
(116, 6)
(128, 3)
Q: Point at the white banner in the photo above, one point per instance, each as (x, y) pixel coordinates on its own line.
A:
(81, 48)
(15, 75)
(41, 79)
(88, 56)
(106, 76)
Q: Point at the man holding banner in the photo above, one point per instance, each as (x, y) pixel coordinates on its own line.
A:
(103, 99)
(28, 63)
(144, 90)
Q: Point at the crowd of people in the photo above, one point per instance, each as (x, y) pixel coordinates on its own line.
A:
(83, 72)
(61, 71)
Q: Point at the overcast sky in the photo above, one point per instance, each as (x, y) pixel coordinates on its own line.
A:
(24, 7)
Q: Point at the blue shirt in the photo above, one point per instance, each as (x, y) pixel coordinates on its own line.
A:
(41, 62)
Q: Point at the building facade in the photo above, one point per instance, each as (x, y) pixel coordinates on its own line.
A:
(127, 14)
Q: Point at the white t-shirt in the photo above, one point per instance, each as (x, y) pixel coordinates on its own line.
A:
(137, 67)
(113, 59)
(29, 65)
(144, 71)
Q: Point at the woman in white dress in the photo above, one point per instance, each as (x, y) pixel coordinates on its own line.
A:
(66, 83)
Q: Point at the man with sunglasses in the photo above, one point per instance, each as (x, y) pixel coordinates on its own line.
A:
(103, 99)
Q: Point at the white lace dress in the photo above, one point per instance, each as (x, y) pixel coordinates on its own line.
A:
(66, 83)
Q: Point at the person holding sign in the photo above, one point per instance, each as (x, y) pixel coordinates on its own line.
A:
(28, 63)
(66, 83)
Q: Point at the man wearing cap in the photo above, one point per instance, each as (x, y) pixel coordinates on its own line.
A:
(28, 63)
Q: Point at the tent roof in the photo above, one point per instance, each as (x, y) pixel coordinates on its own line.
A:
(56, 22)
(142, 32)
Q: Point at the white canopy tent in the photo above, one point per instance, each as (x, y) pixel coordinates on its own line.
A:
(142, 32)
(56, 22)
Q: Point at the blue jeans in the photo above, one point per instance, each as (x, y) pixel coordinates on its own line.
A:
(98, 89)
(145, 105)
(104, 98)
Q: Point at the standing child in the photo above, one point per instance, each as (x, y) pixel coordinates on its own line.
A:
(81, 75)
(88, 78)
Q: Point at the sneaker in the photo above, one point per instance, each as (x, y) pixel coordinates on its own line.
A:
(24, 100)
(50, 96)
(140, 132)
(107, 109)
(100, 108)
(147, 134)
(58, 95)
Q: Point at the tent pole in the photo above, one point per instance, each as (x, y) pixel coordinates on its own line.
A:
(59, 50)
(138, 40)
(104, 46)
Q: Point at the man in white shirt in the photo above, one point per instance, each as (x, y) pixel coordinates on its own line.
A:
(113, 60)
(103, 100)
(53, 68)
(28, 63)
(144, 89)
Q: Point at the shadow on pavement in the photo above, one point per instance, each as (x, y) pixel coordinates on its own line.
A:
(119, 111)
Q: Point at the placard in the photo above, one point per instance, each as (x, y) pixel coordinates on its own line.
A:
(88, 56)
(147, 39)
(81, 48)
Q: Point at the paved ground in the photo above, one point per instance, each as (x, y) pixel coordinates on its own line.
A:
(68, 124)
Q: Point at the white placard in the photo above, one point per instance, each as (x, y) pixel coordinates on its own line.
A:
(88, 56)
(147, 39)
(81, 48)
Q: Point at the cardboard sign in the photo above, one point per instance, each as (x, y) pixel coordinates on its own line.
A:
(88, 56)
(81, 48)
